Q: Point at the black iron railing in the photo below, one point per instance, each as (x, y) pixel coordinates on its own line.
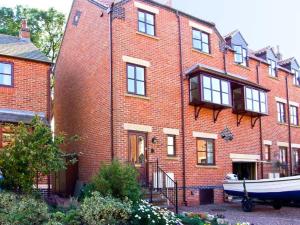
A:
(161, 182)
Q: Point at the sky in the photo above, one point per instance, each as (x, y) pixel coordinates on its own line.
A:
(261, 22)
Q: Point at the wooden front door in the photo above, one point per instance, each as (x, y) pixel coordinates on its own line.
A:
(138, 154)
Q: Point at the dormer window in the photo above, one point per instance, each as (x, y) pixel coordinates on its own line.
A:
(296, 77)
(272, 68)
(240, 55)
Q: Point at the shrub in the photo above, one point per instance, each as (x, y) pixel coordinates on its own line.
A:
(70, 217)
(21, 210)
(146, 214)
(117, 180)
(98, 210)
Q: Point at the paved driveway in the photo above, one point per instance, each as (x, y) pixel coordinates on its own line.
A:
(261, 215)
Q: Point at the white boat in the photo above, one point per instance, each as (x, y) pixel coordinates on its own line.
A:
(276, 190)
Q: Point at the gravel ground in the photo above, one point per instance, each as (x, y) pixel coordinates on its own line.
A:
(261, 215)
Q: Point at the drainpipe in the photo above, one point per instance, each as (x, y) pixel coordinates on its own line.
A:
(225, 59)
(182, 108)
(111, 82)
(260, 128)
(289, 124)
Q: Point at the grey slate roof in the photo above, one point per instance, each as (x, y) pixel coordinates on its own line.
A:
(16, 116)
(285, 61)
(20, 48)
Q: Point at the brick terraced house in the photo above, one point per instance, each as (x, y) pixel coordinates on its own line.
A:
(24, 82)
(140, 81)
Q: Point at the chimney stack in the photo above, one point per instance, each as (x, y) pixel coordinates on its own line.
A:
(278, 54)
(24, 31)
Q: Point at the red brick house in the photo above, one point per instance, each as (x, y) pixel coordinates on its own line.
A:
(140, 81)
(24, 82)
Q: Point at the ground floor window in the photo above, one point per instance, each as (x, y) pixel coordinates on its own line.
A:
(267, 152)
(296, 163)
(205, 152)
(283, 160)
(171, 145)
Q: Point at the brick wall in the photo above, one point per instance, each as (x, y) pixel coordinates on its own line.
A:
(82, 96)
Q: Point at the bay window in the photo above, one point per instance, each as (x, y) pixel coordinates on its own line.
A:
(256, 101)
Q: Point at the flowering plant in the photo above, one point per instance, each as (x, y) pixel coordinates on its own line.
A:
(147, 214)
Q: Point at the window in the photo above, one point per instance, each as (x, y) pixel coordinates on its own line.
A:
(76, 18)
(240, 55)
(267, 152)
(294, 115)
(201, 41)
(272, 68)
(6, 74)
(296, 160)
(194, 90)
(283, 155)
(216, 91)
(296, 77)
(256, 101)
(205, 152)
(281, 112)
(136, 80)
(171, 145)
(146, 22)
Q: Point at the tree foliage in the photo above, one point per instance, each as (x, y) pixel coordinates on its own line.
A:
(34, 151)
(46, 27)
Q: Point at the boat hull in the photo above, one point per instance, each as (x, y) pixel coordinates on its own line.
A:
(283, 189)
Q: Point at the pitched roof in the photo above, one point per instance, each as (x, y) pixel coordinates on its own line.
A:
(231, 34)
(20, 48)
(263, 50)
(286, 61)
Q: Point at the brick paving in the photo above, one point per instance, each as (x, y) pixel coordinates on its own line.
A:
(261, 215)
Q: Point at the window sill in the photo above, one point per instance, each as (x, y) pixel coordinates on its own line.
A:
(274, 78)
(203, 53)
(137, 96)
(175, 158)
(207, 167)
(147, 35)
(284, 124)
(244, 67)
(292, 125)
(6, 86)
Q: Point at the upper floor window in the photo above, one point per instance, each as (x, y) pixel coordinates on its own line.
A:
(216, 91)
(240, 55)
(267, 152)
(296, 77)
(6, 74)
(200, 41)
(136, 80)
(294, 115)
(272, 68)
(146, 23)
(205, 152)
(256, 101)
(281, 112)
(171, 145)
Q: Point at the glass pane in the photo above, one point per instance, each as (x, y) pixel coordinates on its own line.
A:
(140, 73)
(207, 95)
(215, 84)
(225, 87)
(255, 95)
(201, 145)
(196, 44)
(133, 150)
(216, 97)
(5, 68)
(130, 72)
(263, 108)
(170, 150)
(141, 149)
(141, 16)
(205, 48)
(206, 82)
(170, 140)
(196, 34)
(248, 93)
(249, 104)
(238, 49)
(210, 158)
(244, 53)
(262, 97)
(131, 88)
(150, 19)
(238, 58)
(202, 157)
(150, 29)
(255, 106)
(140, 88)
(225, 99)
(194, 83)
(195, 97)
(205, 38)
(142, 27)
(5, 80)
(210, 147)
